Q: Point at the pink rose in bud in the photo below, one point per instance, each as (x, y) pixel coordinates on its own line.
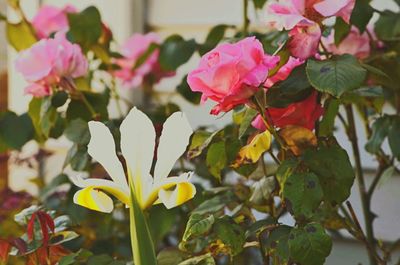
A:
(231, 73)
(284, 71)
(302, 18)
(132, 50)
(48, 61)
(304, 113)
(51, 19)
(355, 44)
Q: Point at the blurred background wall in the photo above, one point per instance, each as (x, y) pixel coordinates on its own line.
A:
(191, 19)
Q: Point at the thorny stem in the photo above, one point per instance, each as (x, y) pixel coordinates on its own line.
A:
(365, 201)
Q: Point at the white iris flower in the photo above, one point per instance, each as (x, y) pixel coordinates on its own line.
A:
(138, 138)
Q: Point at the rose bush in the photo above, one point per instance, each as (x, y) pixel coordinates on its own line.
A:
(214, 194)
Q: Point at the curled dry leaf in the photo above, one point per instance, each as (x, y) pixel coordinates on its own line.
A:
(252, 152)
(298, 138)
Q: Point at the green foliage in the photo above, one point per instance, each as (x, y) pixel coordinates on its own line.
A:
(303, 194)
(293, 89)
(214, 37)
(388, 26)
(309, 244)
(85, 27)
(176, 51)
(15, 130)
(216, 159)
(362, 14)
(342, 29)
(276, 243)
(335, 173)
(185, 91)
(259, 3)
(327, 124)
(337, 75)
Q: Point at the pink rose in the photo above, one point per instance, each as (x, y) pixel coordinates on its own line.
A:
(132, 50)
(283, 72)
(231, 73)
(355, 44)
(304, 113)
(303, 19)
(48, 61)
(51, 19)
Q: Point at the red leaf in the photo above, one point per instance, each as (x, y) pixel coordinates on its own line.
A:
(20, 244)
(43, 226)
(31, 226)
(49, 221)
(5, 247)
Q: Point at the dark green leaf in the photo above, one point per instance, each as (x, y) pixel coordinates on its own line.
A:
(205, 259)
(388, 26)
(309, 245)
(20, 36)
(327, 123)
(216, 159)
(99, 102)
(3, 17)
(276, 243)
(302, 193)
(175, 51)
(293, 89)
(184, 90)
(335, 173)
(231, 234)
(361, 15)
(342, 29)
(85, 27)
(161, 221)
(214, 37)
(15, 130)
(337, 75)
(170, 257)
(77, 131)
(394, 137)
(77, 157)
(213, 205)
(143, 58)
(380, 130)
(59, 98)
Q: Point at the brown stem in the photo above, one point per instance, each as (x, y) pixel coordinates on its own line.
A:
(365, 200)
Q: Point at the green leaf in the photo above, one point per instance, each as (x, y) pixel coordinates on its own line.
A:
(48, 116)
(285, 169)
(337, 75)
(34, 113)
(85, 27)
(99, 101)
(184, 90)
(259, 3)
(302, 193)
(214, 37)
(198, 225)
(342, 29)
(141, 241)
(170, 257)
(205, 259)
(394, 137)
(77, 131)
(327, 124)
(216, 159)
(59, 99)
(63, 237)
(362, 14)
(200, 141)
(231, 234)
(309, 245)
(262, 190)
(293, 89)
(161, 222)
(249, 116)
(15, 130)
(3, 17)
(20, 36)
(387, 27)
(175, 51)
(386, 175)
(335, 173)
(276, 243)
(380, 130)
(213, 205)
(77, 157)
(51, 187)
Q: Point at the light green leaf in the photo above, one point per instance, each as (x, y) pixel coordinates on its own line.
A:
(337, 75)
(248, 117)
(200, 141)
(216, 159)
(198, 225)
(327, 124)
(380, 130)
(205, 259)
(20, 36)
